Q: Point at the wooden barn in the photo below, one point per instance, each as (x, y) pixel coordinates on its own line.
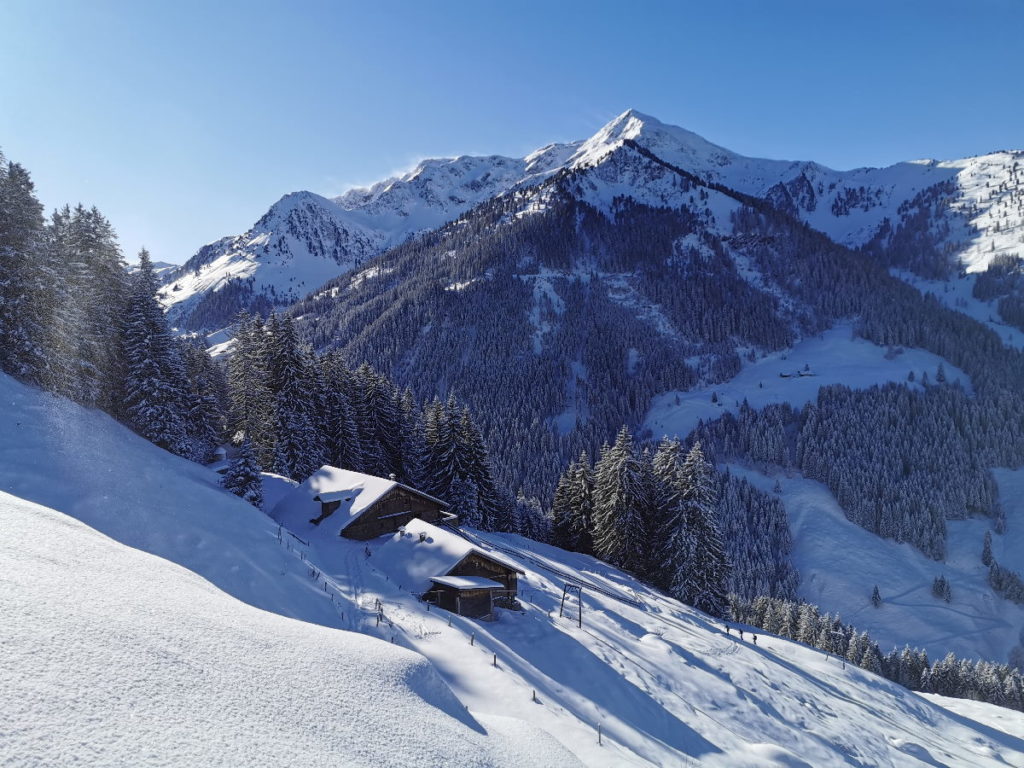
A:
(358, 506)
(448, 570)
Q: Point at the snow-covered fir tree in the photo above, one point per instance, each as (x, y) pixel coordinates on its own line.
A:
(572, 509)
(704, 584)
(620, 535)
(154, 384)
(243, 476)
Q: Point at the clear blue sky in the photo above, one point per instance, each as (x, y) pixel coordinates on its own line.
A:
(184, 121)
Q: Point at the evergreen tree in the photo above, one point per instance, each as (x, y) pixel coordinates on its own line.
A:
(572, 510)
(251, 412)
(986, 550)
(705, 583)
(154, 384)
(206, 394)
(876, 597)
(243, 476)
(299, 448)
(620, 537)
(29, 286)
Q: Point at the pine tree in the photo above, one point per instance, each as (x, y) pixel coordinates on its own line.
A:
(986, 550)
(876, 597)
(620, 537)
(251, 412)
(572, 510)
(154, 384)
(243, 476)
(439, 450)
(204, 420)
(29, 286)
(463, 498)
(299, 448)
(706, 582)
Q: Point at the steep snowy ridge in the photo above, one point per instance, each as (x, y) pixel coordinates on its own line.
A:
(973, 206)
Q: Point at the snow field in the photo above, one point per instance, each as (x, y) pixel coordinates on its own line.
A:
(840, 562)
(834, 357)
(665, 684)
(110, 656)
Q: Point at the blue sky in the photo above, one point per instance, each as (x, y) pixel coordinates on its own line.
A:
(184, 121)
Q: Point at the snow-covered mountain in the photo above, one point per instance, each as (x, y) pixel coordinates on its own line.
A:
(968, 210)
(305, 239)
(121, 656)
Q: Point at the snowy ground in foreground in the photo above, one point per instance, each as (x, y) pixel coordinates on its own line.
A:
(85, 464)
(664, 682)
(834, 357)
(840, 562)
(110, 656)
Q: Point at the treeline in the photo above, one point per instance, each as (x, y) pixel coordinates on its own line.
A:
(652, 514)
(295, 411)
(998, 684)
(76, 322)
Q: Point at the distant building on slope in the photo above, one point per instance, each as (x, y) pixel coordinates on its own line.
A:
(448, 570)
(359, 506)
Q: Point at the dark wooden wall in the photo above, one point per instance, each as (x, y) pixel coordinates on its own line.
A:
(474, 565)
(400, 503)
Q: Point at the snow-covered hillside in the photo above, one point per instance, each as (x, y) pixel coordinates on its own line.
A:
(305, 239)
(112, 656)
(109, 656)
(840, 563)
(665, 684)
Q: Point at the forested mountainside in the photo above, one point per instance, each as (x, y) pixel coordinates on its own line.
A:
(559, 318)
(563, 310)
(934, 217)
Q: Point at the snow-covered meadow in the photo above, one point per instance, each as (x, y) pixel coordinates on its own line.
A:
(836, 356)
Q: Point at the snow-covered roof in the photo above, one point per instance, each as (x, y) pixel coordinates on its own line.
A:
(467, 582)
(356, 492)
(420, 552)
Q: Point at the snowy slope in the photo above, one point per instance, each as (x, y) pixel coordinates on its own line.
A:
(109, 656)
(840, 563)
(834, 357)
(305, 239)
(665, 684)
(84, 464)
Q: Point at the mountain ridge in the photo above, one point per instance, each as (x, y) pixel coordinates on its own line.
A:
(284, 256)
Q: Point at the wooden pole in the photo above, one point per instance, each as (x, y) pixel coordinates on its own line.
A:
(599, 734)
(494, 661)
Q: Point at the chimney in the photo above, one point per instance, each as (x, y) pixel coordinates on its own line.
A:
(391, 477)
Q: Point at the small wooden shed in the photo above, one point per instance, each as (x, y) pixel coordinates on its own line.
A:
(448, 570)
(471, 596)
